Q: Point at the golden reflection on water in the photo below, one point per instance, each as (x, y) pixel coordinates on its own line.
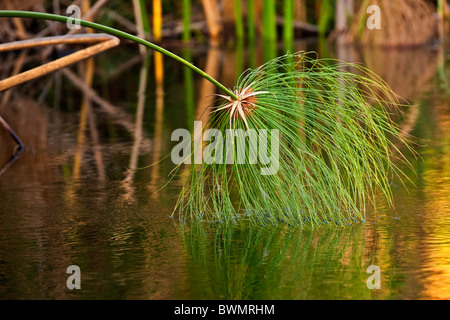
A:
(436, 245)
(137, 252)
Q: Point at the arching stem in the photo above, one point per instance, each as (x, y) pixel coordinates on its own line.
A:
(118, 33)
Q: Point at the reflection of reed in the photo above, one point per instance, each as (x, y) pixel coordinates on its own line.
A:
(207, 89)
(81, 135)
(407, 72)
(86, 68)
(118, 115)
(435, 178)
(228, 75)
(139, 23)
(35, 176)
(87, 117)
(421, 241)
(159, 117)
(127, 183)
(276, 263)
(189, 91)
(96, 147)
(157, 20)
(206, 98)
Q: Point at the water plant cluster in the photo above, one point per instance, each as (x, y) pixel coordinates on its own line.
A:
(337, 149)
(338, 144)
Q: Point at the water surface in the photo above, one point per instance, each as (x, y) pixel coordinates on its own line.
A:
(83, 193)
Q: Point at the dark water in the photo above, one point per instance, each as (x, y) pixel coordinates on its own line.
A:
(74, 198)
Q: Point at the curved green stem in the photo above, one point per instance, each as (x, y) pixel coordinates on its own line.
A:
(118, 33)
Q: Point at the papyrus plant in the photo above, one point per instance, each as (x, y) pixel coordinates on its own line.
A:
(337, 149)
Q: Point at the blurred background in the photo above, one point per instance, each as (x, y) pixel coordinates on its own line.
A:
(87, 188)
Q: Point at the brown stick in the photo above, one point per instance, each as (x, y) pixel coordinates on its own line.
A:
(106, 42)
(17, 68)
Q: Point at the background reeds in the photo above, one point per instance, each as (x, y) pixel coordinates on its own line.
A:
(404, 23)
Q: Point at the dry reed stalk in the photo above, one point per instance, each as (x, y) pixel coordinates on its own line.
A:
(212, 19)
(139, 23)
(88, 13)
(105, 42)
(19, 62)
(157, 20)
(403, 23)
(300, 10)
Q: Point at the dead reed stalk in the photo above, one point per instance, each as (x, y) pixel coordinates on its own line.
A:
(403, 23)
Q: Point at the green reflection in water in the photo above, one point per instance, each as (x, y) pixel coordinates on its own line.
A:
(277, 263)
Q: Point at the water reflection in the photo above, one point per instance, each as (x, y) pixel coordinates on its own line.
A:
(96, 146)
(434, 191)
(278, 263)
(128, 181)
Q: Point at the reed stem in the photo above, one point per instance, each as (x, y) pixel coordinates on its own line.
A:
(186, 20)
(118, 33)
(238, 19)
(269, 21)
(288, 29)
(325, 16)
(157, 20)
(251, 20)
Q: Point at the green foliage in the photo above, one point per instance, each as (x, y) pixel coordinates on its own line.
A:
(336, 150)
